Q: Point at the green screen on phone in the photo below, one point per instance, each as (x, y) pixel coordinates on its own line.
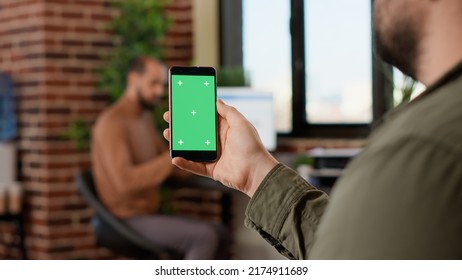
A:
(193, 113)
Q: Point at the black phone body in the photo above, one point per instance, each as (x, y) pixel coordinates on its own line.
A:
(193, 113)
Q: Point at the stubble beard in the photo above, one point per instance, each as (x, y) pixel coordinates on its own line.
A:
(145, 105)
(399, 45)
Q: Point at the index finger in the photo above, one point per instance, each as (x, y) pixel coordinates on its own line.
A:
(167, 116)
(229, 113)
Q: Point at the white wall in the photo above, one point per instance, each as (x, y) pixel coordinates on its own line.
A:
(206, 39)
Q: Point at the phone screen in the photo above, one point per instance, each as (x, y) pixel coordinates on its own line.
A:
(193, 113)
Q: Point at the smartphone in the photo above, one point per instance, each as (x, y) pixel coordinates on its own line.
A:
(193, 113)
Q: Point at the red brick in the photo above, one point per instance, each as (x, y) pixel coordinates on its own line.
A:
(88, 56)
(103, 44)
(91, 2)
(20, 4)
(72, 15)
(73, 43)
(86, 30)
(87, 83)
(73, 70)
(57, 83)
(55, 28)
(106, 17)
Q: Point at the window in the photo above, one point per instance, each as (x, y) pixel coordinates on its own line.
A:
(338, 69)
(316, 58)
(339, 87)
(267, 54)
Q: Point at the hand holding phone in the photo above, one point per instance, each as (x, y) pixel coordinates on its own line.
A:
(243, 161)
(193, 113)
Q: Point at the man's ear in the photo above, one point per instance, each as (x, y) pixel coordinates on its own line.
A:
(132, 78)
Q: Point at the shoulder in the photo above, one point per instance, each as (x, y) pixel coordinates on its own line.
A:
(435, 120)
(420, 145)
(110, 122)
(412, 161)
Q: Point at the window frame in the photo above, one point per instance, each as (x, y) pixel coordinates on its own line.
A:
(382, 89)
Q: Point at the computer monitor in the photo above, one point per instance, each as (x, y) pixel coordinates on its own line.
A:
(257, 107)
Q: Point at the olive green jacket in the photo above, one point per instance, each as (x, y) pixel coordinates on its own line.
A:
(401, 198)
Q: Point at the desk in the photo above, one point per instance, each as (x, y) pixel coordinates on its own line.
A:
(17, 221)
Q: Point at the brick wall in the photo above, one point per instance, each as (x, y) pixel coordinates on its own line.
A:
(52, 49)
(178, 43)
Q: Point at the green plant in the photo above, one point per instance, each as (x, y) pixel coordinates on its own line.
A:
(408, 88)
(140, 29)
(231, 77)
(78, 131)
(303, 159)
(405, 91)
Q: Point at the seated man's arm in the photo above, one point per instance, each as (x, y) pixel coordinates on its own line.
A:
(129, 177)
(286, 210)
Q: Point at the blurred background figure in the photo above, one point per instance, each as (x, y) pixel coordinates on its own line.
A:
(130, 162)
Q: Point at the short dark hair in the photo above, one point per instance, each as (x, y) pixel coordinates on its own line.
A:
(138, 65)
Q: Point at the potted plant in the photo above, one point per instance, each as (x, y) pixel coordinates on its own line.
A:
(140, 29)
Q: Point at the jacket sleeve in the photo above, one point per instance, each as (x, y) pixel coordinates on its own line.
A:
(286, 211)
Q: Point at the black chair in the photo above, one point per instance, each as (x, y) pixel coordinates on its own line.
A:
(113, 234)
